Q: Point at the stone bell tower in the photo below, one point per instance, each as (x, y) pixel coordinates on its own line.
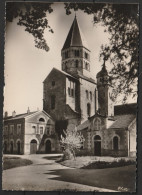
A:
(105, 104)
(75, 53)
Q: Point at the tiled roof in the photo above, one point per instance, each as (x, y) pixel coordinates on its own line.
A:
(65, 73)
(19, 116)
(103, 72)
(125, 109)
(83, 125)
(86, 78)
(122, 121)
(75, 37)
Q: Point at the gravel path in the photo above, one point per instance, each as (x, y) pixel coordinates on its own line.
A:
(40, 177)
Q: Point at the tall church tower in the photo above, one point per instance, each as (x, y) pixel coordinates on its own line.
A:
(75, 53)
(105, 104)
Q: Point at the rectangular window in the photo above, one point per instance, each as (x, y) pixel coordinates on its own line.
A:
(48, 130)
(41, 130)
(72, 92)
(11, 129)
(5, 130)
(37, 131)
(18, 129)
(69, 91)
(53, 83)
(34, 129)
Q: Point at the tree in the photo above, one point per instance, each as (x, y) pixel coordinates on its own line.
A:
(121, 21)
(70, 142)
(33, 16)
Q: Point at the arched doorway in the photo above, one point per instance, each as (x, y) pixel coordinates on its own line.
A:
(11, 147)
(97, 145)
(33, 147)
(5, 148)
(18, 147)
(48, 147)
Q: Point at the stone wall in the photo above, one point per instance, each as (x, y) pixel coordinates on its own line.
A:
(58, 90)
(15, 137)
(90, 87)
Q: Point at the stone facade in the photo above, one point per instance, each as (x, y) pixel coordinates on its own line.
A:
(73, 87)
(30, 133)
(103, 137)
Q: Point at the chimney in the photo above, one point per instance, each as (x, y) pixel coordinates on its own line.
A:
(13, 113)
(28, 111)
(6, 114)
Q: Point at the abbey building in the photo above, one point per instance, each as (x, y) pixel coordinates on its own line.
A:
(72, 98)
(71, 94)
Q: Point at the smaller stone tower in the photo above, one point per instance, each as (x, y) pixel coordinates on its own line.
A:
(105, 104)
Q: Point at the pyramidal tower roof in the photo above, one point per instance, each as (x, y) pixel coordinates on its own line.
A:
(75, 37)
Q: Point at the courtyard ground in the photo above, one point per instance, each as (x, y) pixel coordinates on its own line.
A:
(47, 175)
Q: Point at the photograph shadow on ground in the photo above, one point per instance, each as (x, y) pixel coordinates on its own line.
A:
(120, 178)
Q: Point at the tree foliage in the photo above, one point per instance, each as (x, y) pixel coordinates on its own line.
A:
(71, 141)
(119, 20)
(33, 16)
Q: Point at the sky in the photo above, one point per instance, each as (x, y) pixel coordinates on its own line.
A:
(26, 67)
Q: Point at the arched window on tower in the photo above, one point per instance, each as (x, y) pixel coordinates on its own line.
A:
(53, 102)
(65, 66)
(87, 94)
(76, 53)
(66, 54)
(76, 63)
(86, 66)
(86, 55)
(115, 143)
(88, 109)
(90, 95)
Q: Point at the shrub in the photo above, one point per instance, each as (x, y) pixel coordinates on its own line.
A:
(103, 164)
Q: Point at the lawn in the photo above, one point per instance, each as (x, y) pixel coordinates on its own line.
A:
(14, 161)
(93, 162)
